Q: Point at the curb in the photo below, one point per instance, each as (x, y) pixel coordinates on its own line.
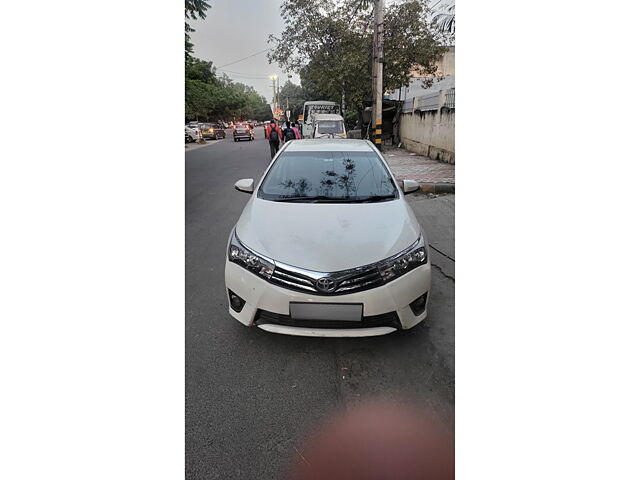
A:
(438, 187)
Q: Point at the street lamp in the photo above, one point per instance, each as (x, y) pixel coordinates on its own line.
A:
(273, 80)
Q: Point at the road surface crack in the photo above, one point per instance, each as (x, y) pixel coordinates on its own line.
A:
(439, 268)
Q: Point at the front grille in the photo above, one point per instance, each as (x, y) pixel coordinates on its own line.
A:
(346, 281)
(384, 320)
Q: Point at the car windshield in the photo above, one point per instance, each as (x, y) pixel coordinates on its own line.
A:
(330, 126)
(328, 177)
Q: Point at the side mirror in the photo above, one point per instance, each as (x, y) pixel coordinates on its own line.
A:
(409, 186)
(245, 185)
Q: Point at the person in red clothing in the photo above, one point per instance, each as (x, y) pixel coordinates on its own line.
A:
(274, 135)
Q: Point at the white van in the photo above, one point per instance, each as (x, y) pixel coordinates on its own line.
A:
(328, 126)
(311, 109)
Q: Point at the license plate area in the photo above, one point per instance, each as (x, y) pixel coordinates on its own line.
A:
(339, 312)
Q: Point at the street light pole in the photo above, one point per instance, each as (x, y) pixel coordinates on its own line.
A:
(378, 59)
(273, 100)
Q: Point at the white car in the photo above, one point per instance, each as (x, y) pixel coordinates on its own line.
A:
(191, 134)
(327, 245)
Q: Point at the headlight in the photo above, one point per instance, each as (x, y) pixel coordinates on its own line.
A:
(247, 258)
(405, 261)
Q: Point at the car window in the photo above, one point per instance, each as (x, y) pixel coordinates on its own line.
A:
(331, 175)
(330, 126)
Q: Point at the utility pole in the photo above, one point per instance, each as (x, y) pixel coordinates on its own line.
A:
(278, 90)
(275, 105)
(378, 59)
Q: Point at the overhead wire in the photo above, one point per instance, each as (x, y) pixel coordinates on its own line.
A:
(249, 56)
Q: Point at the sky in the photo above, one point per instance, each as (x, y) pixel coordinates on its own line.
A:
(236, 29)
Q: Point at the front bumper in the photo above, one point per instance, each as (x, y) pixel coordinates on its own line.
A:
(385, 308)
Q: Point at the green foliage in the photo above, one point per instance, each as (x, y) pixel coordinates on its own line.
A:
(211, 98)
(193, 9)
(294, 95)
(350, 119)
(446, 20)
(330, 43)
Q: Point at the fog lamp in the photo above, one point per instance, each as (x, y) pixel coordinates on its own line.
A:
(236, 302)
(419, 304)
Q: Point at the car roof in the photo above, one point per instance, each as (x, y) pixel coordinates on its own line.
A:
(329, 144)
(328, 116)
(318, 102)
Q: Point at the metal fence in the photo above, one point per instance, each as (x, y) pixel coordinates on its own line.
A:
(450, 98)
(430, 102)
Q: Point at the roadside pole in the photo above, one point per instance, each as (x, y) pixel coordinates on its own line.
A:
(378, 60)
(275, 105)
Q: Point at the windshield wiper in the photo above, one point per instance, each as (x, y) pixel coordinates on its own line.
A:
(304, 199)
(374, 198)
(322, 198)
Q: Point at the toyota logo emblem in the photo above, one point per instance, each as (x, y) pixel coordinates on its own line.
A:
(326, 284)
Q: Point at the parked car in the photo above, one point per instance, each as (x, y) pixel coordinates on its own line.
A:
(327, 245)
(213, 131)
(192, 134)
(242, 133)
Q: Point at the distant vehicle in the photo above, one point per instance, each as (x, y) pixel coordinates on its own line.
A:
(242, 133)
(192, 134)
(310, 109)
(213, 131)
(328, 126)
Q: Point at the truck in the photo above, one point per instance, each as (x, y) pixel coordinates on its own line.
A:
(310, 109)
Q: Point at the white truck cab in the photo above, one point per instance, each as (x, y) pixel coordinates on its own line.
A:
(311, 109)
(328, 126)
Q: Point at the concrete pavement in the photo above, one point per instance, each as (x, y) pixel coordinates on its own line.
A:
(432, 175)
(251, 395)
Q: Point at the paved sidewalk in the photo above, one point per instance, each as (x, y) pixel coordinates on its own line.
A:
(433, 176)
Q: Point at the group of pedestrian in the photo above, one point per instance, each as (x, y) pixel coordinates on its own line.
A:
(275, 134)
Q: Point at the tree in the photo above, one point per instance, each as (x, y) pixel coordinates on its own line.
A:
(446, 21)
(193, 9)
(209, 97)
(293, 95)
(329, 44)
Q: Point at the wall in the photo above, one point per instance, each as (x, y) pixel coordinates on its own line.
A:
(430, 133)
(446, 65)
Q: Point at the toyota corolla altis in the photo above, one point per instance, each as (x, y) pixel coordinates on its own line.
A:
(327, 245)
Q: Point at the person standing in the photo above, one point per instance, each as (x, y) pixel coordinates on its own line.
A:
(274, 134)
(288, 133)
(296, 130)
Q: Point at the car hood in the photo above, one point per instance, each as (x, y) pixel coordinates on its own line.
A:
(327, 237)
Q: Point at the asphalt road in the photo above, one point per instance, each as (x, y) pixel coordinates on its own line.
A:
(251, 395)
